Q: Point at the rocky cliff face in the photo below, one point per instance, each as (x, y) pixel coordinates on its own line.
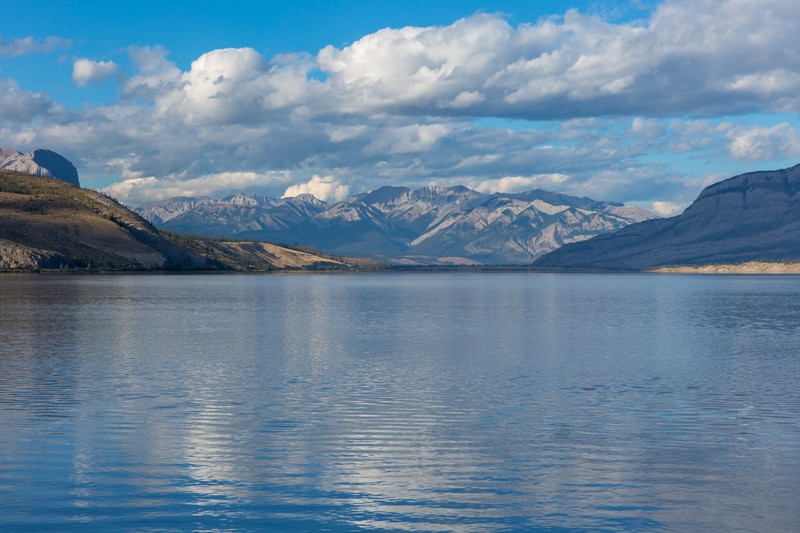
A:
(748, 217)
(429, 225)
(16, 256)
(39, 162)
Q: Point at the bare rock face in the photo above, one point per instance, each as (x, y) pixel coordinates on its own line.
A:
(40, 162)
(755, 216)
(16, 256)
(7, 153)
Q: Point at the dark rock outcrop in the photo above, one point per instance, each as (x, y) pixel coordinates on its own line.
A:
(754, 216)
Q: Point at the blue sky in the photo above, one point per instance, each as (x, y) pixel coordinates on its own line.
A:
(635, 101)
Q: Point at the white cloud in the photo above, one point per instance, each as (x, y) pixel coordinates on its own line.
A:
(760, 143)
(512, 184)
(86, 71)
(237, 86)
(338, 134)
(691, 57)
(668, 209)
(407, 139)
(649, 128)
(465, 99)
(29, 45)
(135, 191)
(324, 188)
(156, 76)
(706, 57)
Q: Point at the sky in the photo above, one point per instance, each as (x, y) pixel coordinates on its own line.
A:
(643, 102)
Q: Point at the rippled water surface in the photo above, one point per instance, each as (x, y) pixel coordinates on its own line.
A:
(419, 402)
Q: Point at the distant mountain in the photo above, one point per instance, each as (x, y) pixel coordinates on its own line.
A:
(49, 224)
(431, 225)
(754, 216)
(39, 162)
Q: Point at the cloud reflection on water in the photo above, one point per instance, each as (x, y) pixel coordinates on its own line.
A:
(459, 403)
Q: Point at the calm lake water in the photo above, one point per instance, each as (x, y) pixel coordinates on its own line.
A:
(418, 402)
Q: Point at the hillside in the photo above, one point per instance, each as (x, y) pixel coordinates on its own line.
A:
(754, 216)
(431, 225)
(49, 224)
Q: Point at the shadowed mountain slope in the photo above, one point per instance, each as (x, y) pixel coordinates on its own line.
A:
(754, 216)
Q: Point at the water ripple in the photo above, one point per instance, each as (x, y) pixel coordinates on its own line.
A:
(416, 403)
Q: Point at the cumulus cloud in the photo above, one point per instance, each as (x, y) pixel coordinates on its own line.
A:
(236, 86)
(760, 143)
(157, 75)
(134, 191)
(86, 71)
(324, 188)
(668, 209)
(700, 57)
(29, 45)
(705, 57)
(512, 184)
(407, 139)
(648, 128)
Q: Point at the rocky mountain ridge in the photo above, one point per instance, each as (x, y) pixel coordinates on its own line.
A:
(431, 225)
(40, 162)
(753, 216)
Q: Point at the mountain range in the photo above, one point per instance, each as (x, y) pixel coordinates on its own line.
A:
(431, 225)
(754, 216)
(49, 222)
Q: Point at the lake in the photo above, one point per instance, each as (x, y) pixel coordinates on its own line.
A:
(400, 402)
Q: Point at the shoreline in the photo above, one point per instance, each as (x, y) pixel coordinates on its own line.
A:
(749, 267)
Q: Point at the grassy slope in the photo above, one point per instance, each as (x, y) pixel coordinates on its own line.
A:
(52, 224)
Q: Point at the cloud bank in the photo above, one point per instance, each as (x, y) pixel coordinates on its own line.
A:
(571, 102)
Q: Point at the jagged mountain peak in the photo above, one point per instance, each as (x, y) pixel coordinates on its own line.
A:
(437, 191)
(241, 199)
(305, 198)
(384, 195)
(557, 198)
